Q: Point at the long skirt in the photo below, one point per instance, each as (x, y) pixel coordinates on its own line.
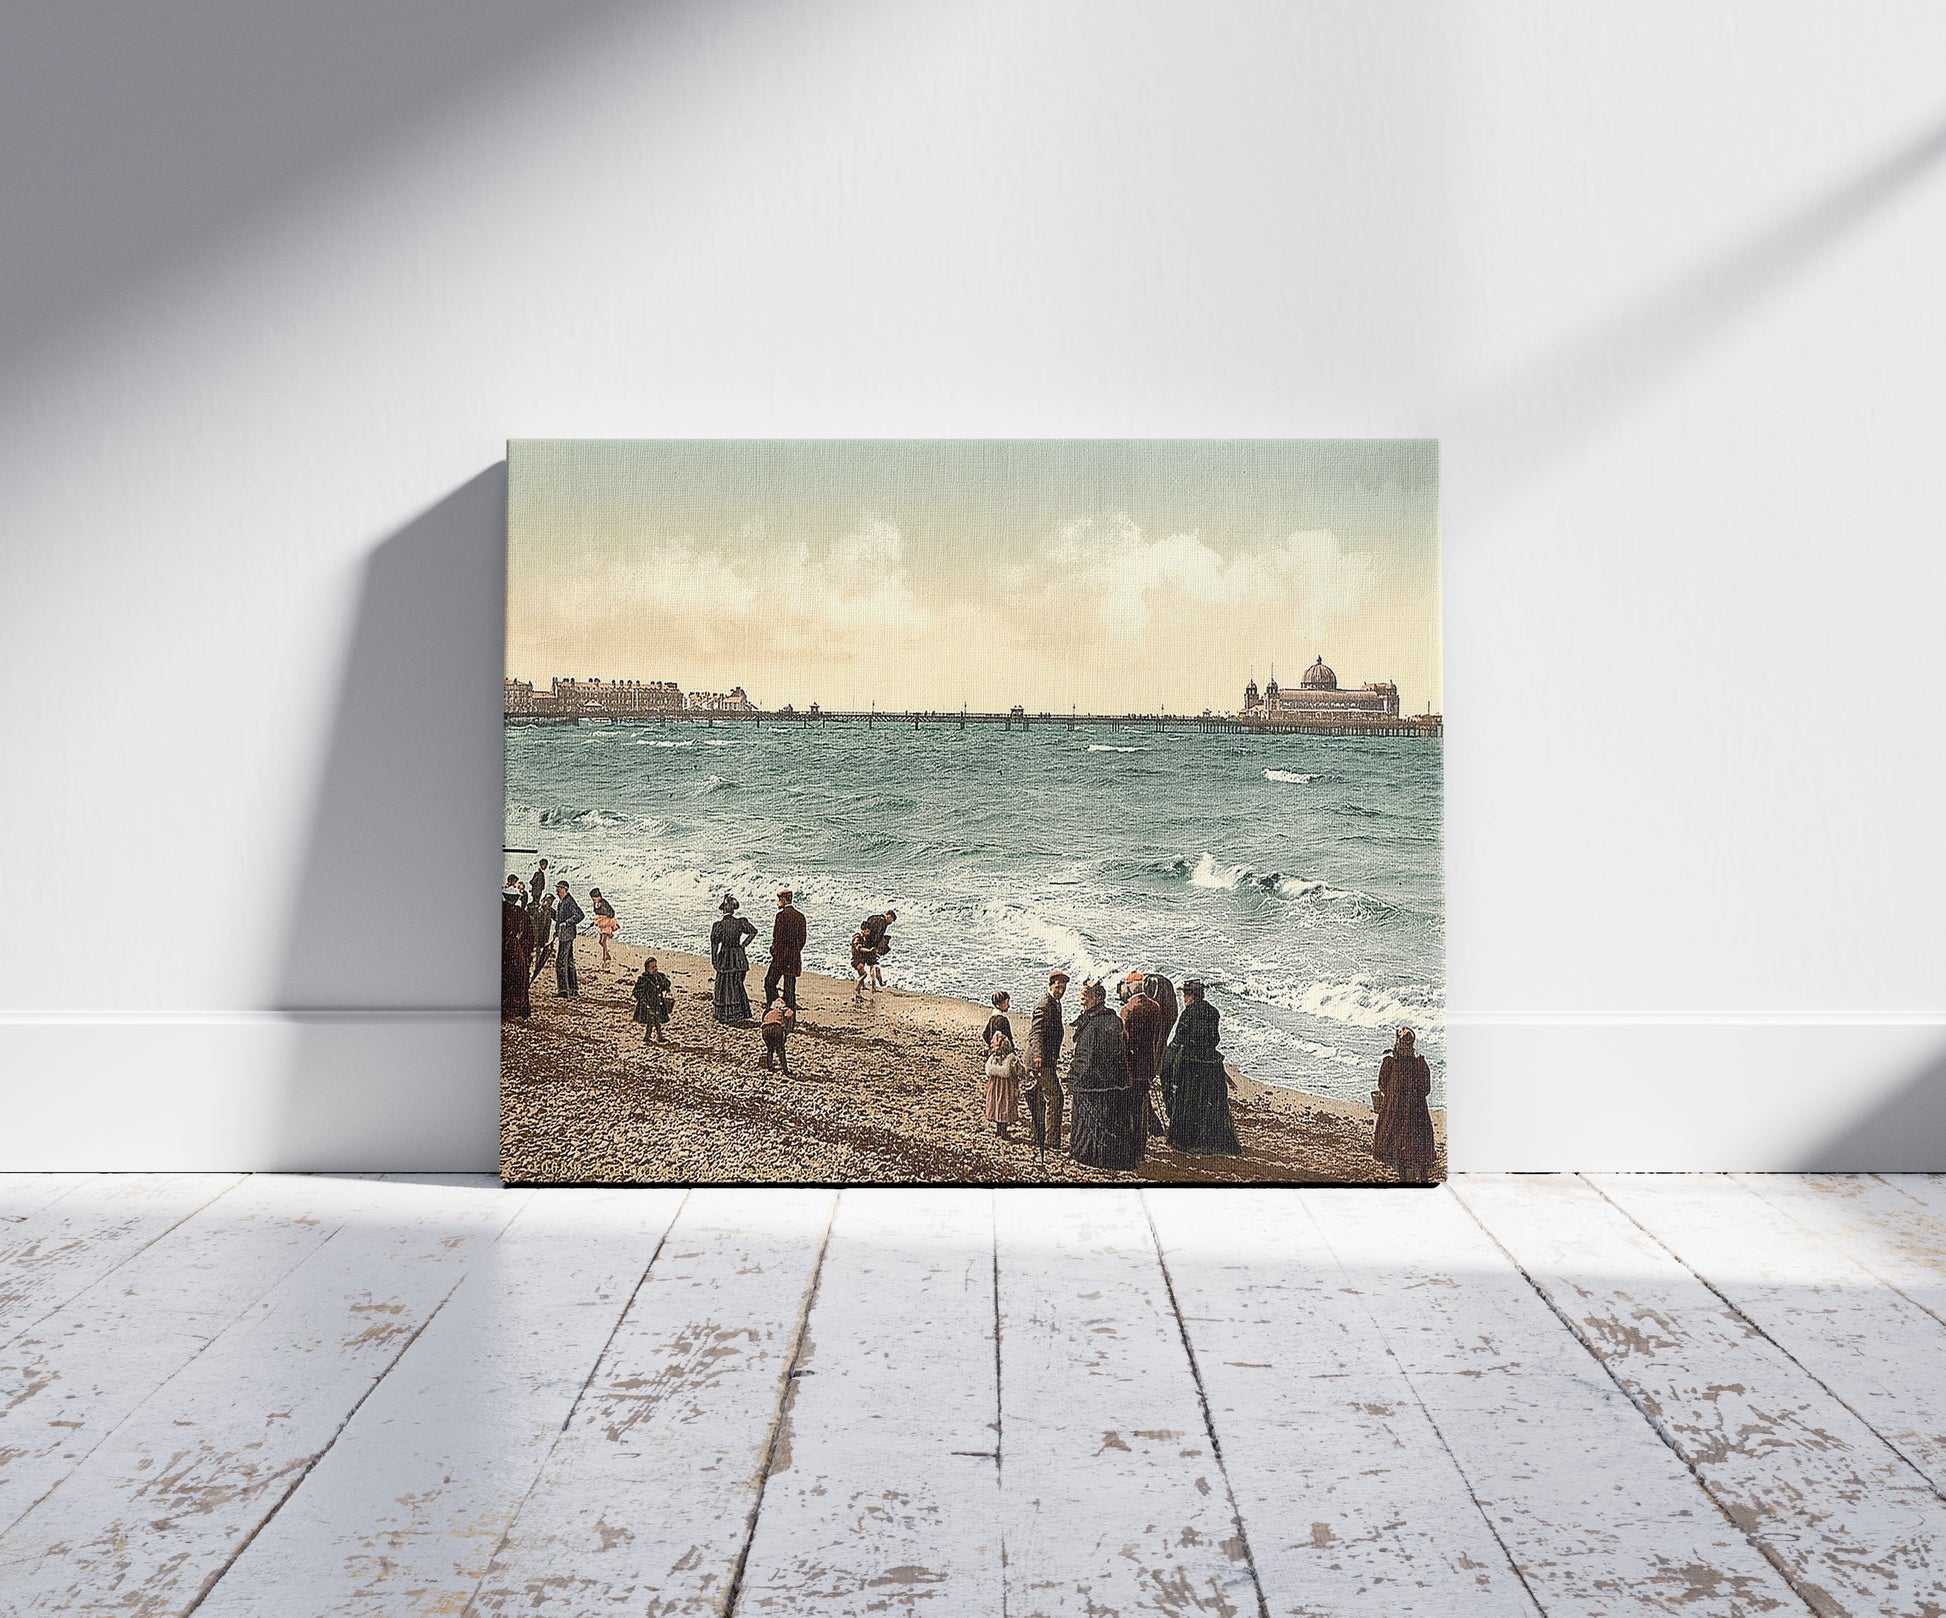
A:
(732, 997)
(1003, 1100)
(1404, 1138)
(513, 982)
(1110, 1128)
(1199, 1108)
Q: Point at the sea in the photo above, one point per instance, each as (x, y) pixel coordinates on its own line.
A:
(1298, 876)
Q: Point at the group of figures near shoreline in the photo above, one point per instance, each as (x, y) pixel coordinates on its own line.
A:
(1119, 1065)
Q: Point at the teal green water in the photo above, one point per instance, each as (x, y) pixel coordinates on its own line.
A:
(1299, 876)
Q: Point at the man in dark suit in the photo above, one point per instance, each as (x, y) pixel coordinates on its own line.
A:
(537, 888)
(1044, 1036)
(787, 935)
(567, 916)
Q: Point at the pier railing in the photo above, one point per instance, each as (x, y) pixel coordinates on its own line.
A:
(1431, 725)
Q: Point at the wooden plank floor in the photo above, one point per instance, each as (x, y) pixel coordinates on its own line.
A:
(1523, 1395)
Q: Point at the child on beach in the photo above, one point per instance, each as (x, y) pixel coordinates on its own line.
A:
(1005, 1073)
(653, 1000)
(779, 1020)
(605, 924)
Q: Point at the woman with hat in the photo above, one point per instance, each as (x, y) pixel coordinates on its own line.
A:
(1403, 1137)
(1110, 1128)
(727, 953)
(1195, 1083)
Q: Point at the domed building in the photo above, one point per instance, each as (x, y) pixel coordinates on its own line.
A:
(1317, 699)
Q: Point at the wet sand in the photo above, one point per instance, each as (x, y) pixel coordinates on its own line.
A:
(886, 1088)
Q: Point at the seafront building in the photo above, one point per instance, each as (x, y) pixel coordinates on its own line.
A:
(1318, 699)
(573, 699)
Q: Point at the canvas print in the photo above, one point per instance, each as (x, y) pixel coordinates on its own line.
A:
(988, 812)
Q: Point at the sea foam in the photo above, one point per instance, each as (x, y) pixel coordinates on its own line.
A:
(1291, 776)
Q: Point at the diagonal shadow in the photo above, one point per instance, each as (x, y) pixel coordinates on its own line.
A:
(1905, 1134)
(1522, 427)
(390, 964)
(131, 136)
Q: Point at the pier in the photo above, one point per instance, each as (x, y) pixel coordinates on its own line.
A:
(1422, 725)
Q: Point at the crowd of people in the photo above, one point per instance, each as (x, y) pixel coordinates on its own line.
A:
(1119, 1065)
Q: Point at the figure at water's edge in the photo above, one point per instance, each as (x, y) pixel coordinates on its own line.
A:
(1195, 1086)
(1403, 1136)
(728, 941)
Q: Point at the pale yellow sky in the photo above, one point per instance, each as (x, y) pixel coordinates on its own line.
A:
(1108, 575)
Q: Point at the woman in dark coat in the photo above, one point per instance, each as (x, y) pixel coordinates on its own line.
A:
(1404, 1137)
(727, 953)
(516, 951)
(1194, 1083)
(1111, 1115)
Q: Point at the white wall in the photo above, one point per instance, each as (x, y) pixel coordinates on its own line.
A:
(280, 281)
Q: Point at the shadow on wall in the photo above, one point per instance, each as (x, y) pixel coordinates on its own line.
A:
(391, 964)
(1906, 1133)
(175, 125)
(1522, 428)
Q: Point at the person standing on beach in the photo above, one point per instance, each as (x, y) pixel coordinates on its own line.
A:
(1403, 1136)
(787, 935)
(1142, 1023)
(1004, 1068)
(1195, 1085)
(516, 951)
(1044, 1037)
(1110, 1113)
(537, 888)
(727, 954)
(606, 926)
(653, 1001)
(567, 916)
(543, 934)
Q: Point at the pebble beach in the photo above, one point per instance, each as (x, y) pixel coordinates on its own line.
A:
(885, 1089)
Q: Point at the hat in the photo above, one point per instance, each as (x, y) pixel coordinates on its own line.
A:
(729, 903)
(785, 893)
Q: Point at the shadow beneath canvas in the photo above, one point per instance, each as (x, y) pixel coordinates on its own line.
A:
(389, 966)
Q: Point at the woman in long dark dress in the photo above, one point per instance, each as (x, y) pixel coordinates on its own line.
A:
(1111, 1115)
(1194, 1083)
(1403, 1137)
(727, 941)
(516, 950)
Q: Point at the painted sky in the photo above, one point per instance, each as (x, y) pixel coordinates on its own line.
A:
(1111, 575)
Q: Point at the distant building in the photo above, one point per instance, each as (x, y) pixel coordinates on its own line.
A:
(734, 700)
(1318, 700)
(572, 699)
(615, 698)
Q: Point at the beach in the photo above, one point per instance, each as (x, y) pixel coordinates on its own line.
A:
(885, 1089)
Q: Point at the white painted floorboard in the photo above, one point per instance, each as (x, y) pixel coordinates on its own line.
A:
(1602, 1396)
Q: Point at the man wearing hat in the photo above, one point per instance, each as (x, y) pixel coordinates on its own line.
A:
(1044, 1036)
(787, 935)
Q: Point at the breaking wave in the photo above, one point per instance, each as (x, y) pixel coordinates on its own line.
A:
(1295, 778)
(1106, 747)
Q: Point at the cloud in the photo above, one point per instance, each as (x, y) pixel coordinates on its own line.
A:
(1126, 582)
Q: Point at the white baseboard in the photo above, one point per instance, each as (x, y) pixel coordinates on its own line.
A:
(418, 1090)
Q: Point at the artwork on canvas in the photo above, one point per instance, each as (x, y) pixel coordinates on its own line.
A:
(985, 812)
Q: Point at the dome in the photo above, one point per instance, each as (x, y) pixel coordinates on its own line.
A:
(1319, 678)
